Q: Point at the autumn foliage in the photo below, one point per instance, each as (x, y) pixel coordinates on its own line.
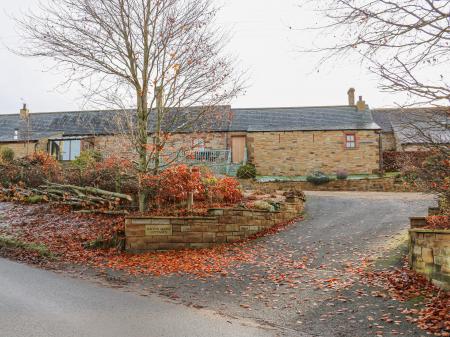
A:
(175, 183)
(438, 222)
(31, 171)
(394, 161)
(431, 174)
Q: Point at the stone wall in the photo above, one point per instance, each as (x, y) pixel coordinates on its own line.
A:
(20, 148)
(375, 185)
(221, 226)
(121, 145)
(298, 153)
(429, 254)
(388, 141)
(116, 145)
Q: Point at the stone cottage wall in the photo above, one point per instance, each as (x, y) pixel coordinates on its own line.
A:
(20, 148)
(429, 254)
(121, 145)
(388, 141)
(298, 153)
(221, 226)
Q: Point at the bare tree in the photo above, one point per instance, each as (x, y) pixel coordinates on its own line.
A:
(164, 54)
(405, 42)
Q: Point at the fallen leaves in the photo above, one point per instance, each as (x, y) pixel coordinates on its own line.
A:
(276, 272)
(403, 285)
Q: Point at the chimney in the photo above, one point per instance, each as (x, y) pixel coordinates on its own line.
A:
(351, 96)
(361, 105)
(24, 112)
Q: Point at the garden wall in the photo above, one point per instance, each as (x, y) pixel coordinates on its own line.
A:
(375, 185)
(220, 226)
(429, 254)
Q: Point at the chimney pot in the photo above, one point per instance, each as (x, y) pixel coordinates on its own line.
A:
(351, 96)
(361, 105)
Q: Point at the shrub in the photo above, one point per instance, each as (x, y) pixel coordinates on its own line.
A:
(174, 183)
(438, 222)
(341, 175)
(111, 174)
(32, 171)
(263, 205)
(227, 190)
(318, 178)
(87, 159)
(7, 155)
(396, 161)
(247, 171)
(39, 167)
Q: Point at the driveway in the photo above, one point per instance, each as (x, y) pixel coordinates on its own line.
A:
(288, 285)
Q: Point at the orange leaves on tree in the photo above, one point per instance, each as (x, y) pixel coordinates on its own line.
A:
(175, 183)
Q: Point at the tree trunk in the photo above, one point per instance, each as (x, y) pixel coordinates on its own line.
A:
(159, 113)
(142, 107)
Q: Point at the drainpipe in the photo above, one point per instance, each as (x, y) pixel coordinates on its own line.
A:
(380, 151)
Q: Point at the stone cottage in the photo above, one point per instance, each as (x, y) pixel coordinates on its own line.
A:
(413, 129)
(278, 141)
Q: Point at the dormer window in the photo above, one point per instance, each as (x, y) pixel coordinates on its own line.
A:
(16, 134)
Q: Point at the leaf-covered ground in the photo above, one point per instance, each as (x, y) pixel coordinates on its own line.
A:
(319, 276)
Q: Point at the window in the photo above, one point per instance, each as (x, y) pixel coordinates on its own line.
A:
(350, 141)
(65, 149)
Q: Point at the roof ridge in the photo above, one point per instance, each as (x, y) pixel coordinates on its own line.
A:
(410, 108)
(297, 107)
(106, 110)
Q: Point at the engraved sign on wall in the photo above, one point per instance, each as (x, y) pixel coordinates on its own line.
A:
(157, 230)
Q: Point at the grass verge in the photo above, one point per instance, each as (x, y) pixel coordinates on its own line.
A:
(12, 243)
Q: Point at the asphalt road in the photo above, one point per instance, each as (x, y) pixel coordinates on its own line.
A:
(37, 303)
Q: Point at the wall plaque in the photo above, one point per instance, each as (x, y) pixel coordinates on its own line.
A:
(158, 230)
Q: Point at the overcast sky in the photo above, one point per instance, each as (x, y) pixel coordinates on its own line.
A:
(261, 39)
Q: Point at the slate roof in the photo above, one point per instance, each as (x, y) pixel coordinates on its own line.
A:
(381, 117)
(43, 125)
(415, 125)
(302, 119)
(79, 123)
